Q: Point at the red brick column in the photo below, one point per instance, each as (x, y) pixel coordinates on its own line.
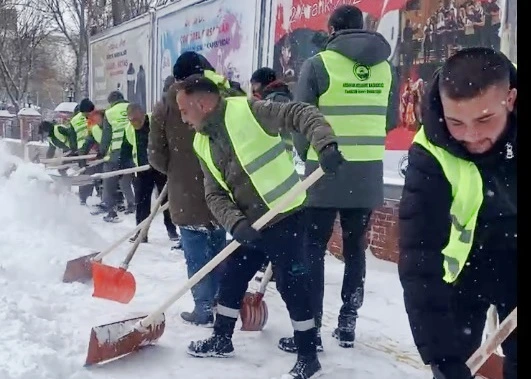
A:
(382, 235)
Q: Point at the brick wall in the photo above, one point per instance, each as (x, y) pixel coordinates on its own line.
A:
(382, 236)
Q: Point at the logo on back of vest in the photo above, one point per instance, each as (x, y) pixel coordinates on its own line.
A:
(361, 72)
(402, 166)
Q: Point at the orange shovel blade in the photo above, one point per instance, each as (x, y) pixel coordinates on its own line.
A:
(114, 340)
(113, 283)
(253, 312)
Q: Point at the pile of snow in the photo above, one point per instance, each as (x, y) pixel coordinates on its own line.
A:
(46, 323)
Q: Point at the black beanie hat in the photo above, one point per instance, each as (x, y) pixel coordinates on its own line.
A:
(190, 63)
(264, 76)
(86, 106)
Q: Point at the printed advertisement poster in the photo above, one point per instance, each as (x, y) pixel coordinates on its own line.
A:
(121, 62)
(222, 31)
(422, 34)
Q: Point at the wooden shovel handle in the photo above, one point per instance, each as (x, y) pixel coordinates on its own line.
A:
(144, 230)
(266, 278)
(490, 345)
(125, 171)
(214, 262)
(118, 242)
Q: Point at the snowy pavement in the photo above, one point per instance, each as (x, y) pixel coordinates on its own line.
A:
(46, 323)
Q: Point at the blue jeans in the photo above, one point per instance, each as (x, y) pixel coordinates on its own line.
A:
(200, 246)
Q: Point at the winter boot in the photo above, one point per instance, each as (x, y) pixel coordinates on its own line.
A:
(217, 346)
(306, 367)
(99, 209)
(345, 333)
(111, 217)
(288, 345)
(194, 318)
(130, 209)
(345, 337)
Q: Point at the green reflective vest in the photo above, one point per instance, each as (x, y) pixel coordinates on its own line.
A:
(220, 80)
(117, 117)
(355, 104)
(467, 195)
(60, 136)
(130, 136)
(80, 124)
(262, 157)
(96, 133)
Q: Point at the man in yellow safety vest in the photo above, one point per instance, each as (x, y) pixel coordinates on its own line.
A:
(79, 122)
(115, 122)
(145, 182)
(247, 171)
(353, 85)
(458, 213)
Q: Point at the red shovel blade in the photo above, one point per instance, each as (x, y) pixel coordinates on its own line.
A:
(253, 312)
(492, 368)
(79, 269)
(114, 340)
(113, 283)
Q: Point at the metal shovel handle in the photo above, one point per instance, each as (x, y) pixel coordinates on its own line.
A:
(126, 236)
(145, 228)
(259, 224)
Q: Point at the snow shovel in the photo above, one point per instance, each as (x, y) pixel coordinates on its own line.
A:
(483, 362)
(80, 269)
(117, 339)
(254, 310)
(118, 284)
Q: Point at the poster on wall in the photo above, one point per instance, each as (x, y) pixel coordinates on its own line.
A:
(222, 31)
(422, 34)
(121, 62)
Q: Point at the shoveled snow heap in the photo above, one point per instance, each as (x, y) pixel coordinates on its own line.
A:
(46, 324)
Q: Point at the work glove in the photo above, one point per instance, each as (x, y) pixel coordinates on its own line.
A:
(330, 158)
(82, 163)
(244, 233)
(451, 370)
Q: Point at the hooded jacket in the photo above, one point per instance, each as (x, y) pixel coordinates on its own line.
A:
(489, 277)
(357, 184)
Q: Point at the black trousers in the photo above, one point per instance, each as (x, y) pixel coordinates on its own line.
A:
(319, 228)
(281, 244)
(145, 183)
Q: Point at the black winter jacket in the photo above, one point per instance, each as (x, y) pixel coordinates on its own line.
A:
(490, 273)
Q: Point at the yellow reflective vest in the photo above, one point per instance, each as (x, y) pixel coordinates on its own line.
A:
(130, 136)
(467, 198)
(355, 104)
(117, 117)
(263, 157)
(80, 124)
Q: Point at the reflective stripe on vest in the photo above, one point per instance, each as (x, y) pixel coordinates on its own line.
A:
(96, 133)
(262, 157)
(117, 117)
(467, 197)
(60, 136)
(355, 104)
(130, 136)
(80, 124)
(220, 80)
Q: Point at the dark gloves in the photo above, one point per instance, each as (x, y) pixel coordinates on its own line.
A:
(244, 233)
(451, 370)
(330, 158)
(82, 163)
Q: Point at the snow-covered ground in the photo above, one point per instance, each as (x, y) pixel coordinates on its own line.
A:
(46, 323)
